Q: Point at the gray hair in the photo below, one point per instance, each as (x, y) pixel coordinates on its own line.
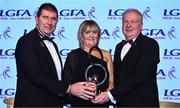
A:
(133, 10)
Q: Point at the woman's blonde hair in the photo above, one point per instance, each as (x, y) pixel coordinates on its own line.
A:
(83, 28)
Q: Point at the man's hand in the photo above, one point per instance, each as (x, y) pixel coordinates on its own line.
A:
(84, 90)
(101, 98)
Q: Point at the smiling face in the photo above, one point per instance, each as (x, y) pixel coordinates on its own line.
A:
(46, 22)
(88, 34)
(131, 25)
(90, 37)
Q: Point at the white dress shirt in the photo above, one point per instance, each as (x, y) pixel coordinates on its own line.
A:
(124, 51)
(55, 57)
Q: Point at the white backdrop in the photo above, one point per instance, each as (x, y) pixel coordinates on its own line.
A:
(161, 22)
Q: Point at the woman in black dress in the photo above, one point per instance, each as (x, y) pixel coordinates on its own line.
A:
(79, 61)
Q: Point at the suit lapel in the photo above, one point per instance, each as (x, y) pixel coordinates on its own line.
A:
(117, 54)
(44, 50)
(133, 48)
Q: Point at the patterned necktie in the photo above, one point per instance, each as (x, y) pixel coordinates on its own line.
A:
(127, 41)
(48, 38)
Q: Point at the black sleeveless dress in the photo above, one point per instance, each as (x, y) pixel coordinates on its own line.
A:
(75, 68)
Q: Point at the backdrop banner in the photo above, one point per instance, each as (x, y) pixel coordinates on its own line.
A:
(161, 22)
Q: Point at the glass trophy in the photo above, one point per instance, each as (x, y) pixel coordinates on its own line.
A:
(96, 72)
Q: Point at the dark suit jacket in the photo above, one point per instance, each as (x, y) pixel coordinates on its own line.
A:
(37, 80)
(135, 75)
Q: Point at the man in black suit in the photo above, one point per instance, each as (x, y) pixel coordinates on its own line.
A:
(39, 66)
(135, 66)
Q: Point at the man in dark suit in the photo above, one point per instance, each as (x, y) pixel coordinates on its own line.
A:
(39, 66)
(135, 66)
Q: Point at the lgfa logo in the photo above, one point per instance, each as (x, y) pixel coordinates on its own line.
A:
(160, 33)
(174, 92)
(91, 13)
(146, 13)
(171, 54)
(7, 92)
(162, 75)
(59, 34)
(5, 73)
(115, 14)
(171, 14)
(7, 53)
(6, 34)
(106, 34)
(12, 14)
(70, 14)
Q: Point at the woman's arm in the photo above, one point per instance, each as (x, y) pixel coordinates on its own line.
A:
(108, 59)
